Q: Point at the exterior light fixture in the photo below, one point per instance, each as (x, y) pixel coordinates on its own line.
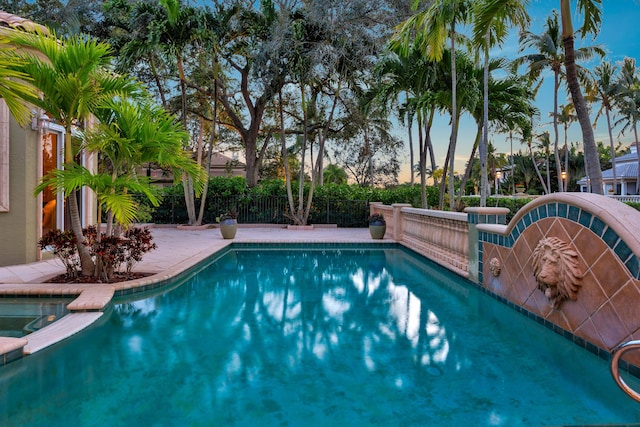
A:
(39, 121)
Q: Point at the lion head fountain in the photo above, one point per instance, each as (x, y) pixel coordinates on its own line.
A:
(555, 267)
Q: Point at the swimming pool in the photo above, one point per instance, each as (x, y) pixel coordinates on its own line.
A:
(317, 337)
(22, 316)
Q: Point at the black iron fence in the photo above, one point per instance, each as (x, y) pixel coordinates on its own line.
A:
(264, 210)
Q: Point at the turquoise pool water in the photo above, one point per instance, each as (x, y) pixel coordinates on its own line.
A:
(348, 337)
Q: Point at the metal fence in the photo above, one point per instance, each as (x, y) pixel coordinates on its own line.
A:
(264, 210)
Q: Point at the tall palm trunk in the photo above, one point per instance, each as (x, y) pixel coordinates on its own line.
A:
(635, 133)
(613, 153)
(484, 183)
(448, 164)
(590, 149)
(422, 148)
(454, 118)
(467, 172)
(411, 160)
(535, 166)
(285, 156)
(556, 152)
(86, 262)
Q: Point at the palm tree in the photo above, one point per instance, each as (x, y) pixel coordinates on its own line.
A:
(590, 10)
(544, 145)
(73, 78)
(334, 174)
(491, 19)
(605, 88)
(512, 108)
(566, 118)
(135, 132)
(629, 102)
(495, 161)
(550, 55)
(414, 76)
(14, 85)
(431, 29)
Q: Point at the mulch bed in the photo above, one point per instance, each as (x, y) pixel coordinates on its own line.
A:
(117, 278)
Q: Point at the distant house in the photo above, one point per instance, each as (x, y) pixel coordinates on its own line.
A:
(221, 165)
(626, 175)
(26, 154)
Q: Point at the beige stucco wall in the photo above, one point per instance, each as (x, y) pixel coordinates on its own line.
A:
(19, 226)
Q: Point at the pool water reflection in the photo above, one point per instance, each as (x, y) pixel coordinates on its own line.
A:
(314, 338)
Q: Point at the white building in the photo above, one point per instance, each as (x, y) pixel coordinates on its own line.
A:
(626, 175)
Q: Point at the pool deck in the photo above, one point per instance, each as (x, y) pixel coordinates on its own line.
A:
(178, 250)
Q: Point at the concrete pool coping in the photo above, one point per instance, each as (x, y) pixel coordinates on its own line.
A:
(178, 250)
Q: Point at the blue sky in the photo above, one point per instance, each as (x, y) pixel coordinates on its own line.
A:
(619, 36)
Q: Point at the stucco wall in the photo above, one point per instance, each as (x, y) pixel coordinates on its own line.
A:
(18, 226)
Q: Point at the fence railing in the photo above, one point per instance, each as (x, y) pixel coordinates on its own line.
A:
(264, 210)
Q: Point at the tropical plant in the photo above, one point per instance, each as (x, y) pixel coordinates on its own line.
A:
(15, 85)
(629, 102)
(431, 29)
(131, 133)
(590, 11)
(73, 79)
(376, 219)
(334, 174)
(566, 118)
(549, 54)
(491, 20)
(605, 88)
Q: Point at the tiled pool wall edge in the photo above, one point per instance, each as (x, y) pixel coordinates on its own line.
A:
(190, 271)
(554, 214)
(594, 349)
(426, 232)
(597, 351)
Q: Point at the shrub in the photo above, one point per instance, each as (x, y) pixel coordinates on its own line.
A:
(110, 253)
(377, 219)
(64, 248)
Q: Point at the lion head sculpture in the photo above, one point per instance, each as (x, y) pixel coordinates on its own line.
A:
(495, 267)
(555, 267)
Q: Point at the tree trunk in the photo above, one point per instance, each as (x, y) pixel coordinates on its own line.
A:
(485, 131)
(556, 152)
(454, 118)
(212, 140)
(590, 149)
(285, 156)
(86, 262)
(635, 133)
(613, 154)
(535, 166)
(422, 153)
(411, 160)
(467, 172)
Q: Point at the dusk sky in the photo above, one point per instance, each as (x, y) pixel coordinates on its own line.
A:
(619, 36)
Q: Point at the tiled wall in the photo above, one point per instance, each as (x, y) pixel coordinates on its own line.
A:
(604, 233)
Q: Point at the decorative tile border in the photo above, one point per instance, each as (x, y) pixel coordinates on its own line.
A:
(571, 213)
(586, 218)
